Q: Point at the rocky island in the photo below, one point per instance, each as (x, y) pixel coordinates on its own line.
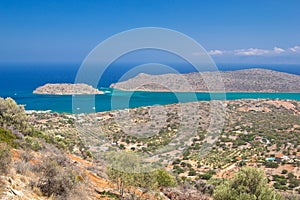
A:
(247, 80)
(66, 89)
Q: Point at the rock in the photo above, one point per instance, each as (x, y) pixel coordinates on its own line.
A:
(16, 192)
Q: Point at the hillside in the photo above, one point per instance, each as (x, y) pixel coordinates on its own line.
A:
(56, 155)
(248, 80)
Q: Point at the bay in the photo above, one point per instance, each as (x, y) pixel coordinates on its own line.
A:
(19, 80)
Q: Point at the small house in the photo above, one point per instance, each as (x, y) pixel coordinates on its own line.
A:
(279, 157)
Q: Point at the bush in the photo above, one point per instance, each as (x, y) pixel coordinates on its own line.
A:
(164, 178)
(13, 115)
(192, 172)
(249, 183)
(178, 170)
(291, 175)
(278, 186)
(270, 164)
(33, 143)
(7, 137)
(282, 182)
(5, 158)
(293, 183)
(176, 162)
(58, 179)
(205, 176)
(22, 167)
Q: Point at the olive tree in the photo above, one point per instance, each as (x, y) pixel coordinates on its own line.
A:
(13, 115)
(250, 184)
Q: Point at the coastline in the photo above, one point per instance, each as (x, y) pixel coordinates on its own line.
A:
(39, 111)
(203, 91)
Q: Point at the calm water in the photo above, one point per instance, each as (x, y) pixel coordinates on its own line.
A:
(19, 81)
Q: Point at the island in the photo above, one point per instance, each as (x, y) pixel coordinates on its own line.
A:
(66, 89)
(247, 80)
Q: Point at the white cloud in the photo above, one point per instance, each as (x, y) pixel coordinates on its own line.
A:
(256, 51)
(295, 49)
(278, 50)
(251, 52)
(215, 52)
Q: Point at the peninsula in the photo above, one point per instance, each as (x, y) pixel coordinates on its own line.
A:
(247, 80)
(66, 89)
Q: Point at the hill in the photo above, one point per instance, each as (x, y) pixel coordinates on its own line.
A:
(56, 155)
(66, 89)
(248, 80)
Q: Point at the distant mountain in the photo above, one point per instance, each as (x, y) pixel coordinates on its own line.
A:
(248, 80)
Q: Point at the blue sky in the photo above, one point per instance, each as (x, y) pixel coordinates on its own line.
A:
(234, 31)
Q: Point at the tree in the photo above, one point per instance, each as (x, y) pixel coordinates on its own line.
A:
(290, 175)
(164, 178)
(249, 183)
(270, 164)
(13, 115)
(127, 172)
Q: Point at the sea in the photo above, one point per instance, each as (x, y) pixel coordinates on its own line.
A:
(19, 80)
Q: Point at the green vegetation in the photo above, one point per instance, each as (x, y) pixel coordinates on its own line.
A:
(207, 175)
(247, 184)
(7, 137)
(248, 138)
(270, 164)
(127, 172)
(286, 181)
(13, 116)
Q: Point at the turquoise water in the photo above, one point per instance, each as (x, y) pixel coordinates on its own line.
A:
(122, 99)
(18, 82)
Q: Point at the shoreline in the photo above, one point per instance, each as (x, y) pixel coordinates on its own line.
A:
(31, 111)
(198, 91)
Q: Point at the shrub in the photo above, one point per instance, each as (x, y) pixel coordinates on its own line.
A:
(176, 162)
(205, 176)
(58, 179)
(290, 175)
(293, 183)
(282, 182)
(178, 170)
(33, 143)
(8, 137)
(22, 167)
(278, 186)
(192, 172)
(249, 183)
(5, 158)
(164, 178)
(13, 115)
(270, 164)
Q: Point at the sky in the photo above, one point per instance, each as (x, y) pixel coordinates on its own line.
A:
(232, 31)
